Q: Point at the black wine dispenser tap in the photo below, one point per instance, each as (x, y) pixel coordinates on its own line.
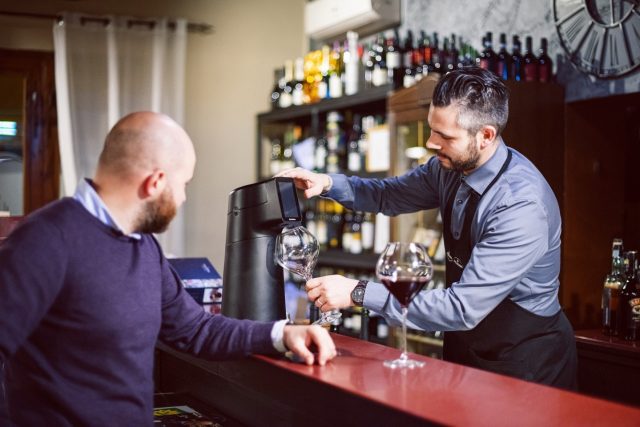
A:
(253, 284)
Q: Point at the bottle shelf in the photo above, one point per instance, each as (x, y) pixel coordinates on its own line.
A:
(366, 261)
(366, 97)
(341, 259)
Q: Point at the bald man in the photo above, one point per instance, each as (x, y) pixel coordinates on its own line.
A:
(85, 292)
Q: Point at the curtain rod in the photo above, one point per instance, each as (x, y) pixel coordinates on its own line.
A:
(192, 27)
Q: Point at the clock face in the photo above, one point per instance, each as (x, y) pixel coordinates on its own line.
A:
(601, 37)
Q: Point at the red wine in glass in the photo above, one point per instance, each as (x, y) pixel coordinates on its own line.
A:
(404, 289)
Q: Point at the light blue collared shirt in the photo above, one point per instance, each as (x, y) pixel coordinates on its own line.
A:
(90, 199)
(515, 233)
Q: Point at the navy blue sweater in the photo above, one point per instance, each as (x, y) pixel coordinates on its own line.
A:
(81, 309)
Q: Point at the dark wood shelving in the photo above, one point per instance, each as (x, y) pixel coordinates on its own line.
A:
(366, 97)
(340, 259)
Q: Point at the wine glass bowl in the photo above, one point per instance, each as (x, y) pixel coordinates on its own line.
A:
(297, 251)
(404, 269)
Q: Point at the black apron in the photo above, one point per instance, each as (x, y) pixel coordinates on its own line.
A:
(510, 340)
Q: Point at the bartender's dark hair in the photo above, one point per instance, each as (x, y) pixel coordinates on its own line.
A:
(480, 95)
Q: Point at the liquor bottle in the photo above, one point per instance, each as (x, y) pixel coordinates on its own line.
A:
(287, 87)
(297, 96)
(336, 71)
(516, 60)
(503, 64)
(611, 290)
(407, 61)
(488, 56)
(380, 75)
(545, 65)
(278, 75)
(530, 62)
(323, 83)
(367, 229)
(354, 158)
(291, 136)
(629, 304)
(352, 63)
(394, 60)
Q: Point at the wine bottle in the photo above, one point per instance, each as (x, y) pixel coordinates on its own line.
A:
(530, 62)
(545, 65)
(436, 57)
(407, 61)
(488, 56)
(629, 308)
(503, 64)
(393, 60)
(454, 54)
(611, 289)
(336, 71)
(287, 87)
(380, 75)
(516, 60)
(297, 96)
(367, 228)
(351, 64)
(354, 159)
(278, 75)
(346, 231)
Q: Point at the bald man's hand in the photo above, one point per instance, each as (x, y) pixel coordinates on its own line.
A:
(312, 183)
(298, 339)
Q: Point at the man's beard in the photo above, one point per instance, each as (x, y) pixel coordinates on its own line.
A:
(157, 214)
(468, 163)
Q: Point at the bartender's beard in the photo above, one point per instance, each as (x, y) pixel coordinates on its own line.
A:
(157, 214)
(467, 162)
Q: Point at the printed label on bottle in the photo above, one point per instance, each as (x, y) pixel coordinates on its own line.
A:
(393, 60)
(635, 309)
(335, 86)
(379, 77)
(298, 97)
(355, 162)
(408, 81)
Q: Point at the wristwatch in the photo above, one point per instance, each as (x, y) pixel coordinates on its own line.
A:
(357, 294)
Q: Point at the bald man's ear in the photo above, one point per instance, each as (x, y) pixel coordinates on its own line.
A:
(154, 184)
(486, 135)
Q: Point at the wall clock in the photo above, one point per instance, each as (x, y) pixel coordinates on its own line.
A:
(601, 37)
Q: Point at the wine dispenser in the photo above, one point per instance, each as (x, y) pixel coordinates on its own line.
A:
(253, 283)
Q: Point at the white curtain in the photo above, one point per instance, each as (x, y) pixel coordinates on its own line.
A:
(106, 68)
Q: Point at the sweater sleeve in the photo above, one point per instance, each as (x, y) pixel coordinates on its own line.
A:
(187, 327)
(33, 263)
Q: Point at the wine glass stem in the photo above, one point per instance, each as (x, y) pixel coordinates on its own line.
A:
(404, 355)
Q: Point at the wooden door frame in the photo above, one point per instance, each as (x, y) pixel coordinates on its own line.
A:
(40, 145)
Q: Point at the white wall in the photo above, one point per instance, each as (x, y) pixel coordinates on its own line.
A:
(229, 78)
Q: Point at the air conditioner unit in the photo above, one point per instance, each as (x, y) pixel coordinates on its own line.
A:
(326, 19)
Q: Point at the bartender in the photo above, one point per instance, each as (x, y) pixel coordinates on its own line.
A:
(500, 309)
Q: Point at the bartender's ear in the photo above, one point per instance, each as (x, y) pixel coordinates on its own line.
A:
(154, 184)
(486, 135)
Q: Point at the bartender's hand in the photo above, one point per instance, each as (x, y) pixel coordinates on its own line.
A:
(298, 339)
(331, 292)
(312, 183)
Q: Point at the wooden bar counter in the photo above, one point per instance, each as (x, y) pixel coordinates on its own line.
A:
(608, 367)
(356, 389)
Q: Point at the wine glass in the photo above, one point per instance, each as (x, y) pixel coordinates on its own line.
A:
(297, 251)
(404, 268)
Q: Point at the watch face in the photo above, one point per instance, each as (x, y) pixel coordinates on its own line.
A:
(601, 37)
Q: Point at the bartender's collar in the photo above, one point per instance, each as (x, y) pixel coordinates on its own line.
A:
(480, 178)
(91, 201)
